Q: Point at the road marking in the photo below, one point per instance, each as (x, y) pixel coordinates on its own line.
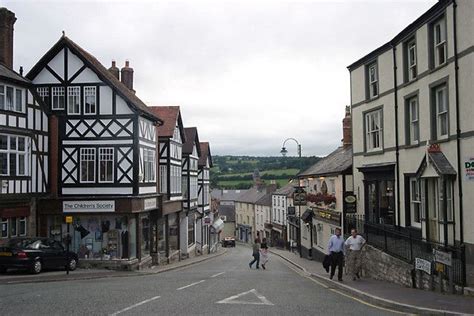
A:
(215, 275)
(135, 305)
(189, 285)
(234, 299)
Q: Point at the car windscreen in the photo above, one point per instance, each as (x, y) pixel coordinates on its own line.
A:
(24, 243)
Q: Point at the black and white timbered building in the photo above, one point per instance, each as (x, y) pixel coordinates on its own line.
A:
(103, 156)
(171, 139)
(191, 153)
(23, 143)
(204, 195)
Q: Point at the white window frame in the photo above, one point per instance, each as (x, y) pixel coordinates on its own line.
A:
(163, 179)
(74, 100)
(90, 92)
(415, 202)
(373, 130)
(414, 120)
(85, 155)
(57, 93)
(373, 80)
(149, 165)
(441, 113)
(18, 153)
(13, 105)
(439, 42)
(411, 55)
(106, 154)
(449, 200)
(4, 224)
(43, 93)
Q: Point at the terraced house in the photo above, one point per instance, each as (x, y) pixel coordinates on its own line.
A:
(413, 146)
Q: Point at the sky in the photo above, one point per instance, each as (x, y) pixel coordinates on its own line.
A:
(248, 74)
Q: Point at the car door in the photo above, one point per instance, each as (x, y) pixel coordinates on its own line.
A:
(47, 253)
(59, 254)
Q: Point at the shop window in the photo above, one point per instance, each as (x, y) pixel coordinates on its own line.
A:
(13, 227)
(161, 237)
(380, 199)
(173, 230)
(22, 226)
(191, 225)
(145, 242)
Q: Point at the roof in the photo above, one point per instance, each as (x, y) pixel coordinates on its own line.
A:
(9, 74)
(286, 190)
(406, 32)
(228, 211)
(336, 162)
(441, 164)
(226, 195)
(171, 116)
(255, 193)
(99, 69)
(205, 153)
(191, 139)
(265, 200)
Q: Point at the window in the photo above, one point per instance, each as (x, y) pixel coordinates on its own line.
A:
(175, 180)
(163, 179)
(11, 99)
(43, 92)
(87, 165)
(19, 100)
(413, 121)
(22, 228)
(380, 201)
(441, 110)
(2, 97)
(14, 155)
(148, 165)
(373, 83)
(439, 42)
(449, 200)
(373, 130)
(13, 227)
(89, 100)
(415, 203)
(106, 165)
(333, 186)
(190, 230)
(73, 100)
(58, 98)
(411, 60)
(4, 233)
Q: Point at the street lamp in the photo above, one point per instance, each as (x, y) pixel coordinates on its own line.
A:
(283, 150)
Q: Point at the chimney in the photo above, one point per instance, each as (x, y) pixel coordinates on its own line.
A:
(114, 70)
(127, 76)
(347, 128)
(7, 19)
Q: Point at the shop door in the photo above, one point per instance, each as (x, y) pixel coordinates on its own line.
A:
(432, 208)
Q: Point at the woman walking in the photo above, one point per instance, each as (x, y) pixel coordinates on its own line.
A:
(264, 252)
(255, 253)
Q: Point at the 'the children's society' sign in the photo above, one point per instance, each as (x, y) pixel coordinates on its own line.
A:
(88, 206)
(469, 168)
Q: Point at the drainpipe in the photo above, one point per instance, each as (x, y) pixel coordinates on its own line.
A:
(397, 148)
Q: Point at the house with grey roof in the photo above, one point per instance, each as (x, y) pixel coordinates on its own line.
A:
(282, 234)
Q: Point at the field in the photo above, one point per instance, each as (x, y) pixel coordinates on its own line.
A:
(248, 183)
(279, 172)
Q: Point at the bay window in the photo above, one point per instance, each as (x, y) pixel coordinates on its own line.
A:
(148, 165)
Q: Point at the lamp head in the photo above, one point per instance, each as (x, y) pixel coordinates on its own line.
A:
(283, 151)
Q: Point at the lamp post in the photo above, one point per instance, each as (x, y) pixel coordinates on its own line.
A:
(283, 150)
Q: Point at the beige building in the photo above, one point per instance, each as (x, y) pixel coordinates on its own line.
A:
(413, 146)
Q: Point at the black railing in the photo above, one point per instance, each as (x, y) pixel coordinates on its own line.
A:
(404, 245)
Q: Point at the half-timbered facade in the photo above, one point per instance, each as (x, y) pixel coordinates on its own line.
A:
(103, 155)
(23, 143)
(204, 195)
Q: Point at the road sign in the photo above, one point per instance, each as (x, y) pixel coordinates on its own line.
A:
(68, 219)
(423, 265)
(443, 257)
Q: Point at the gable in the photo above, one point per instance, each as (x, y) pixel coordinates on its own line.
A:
(45, 77)
(57, 64)
(86, 76)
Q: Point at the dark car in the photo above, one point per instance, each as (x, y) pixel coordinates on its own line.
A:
(35, 254)
(228, 241)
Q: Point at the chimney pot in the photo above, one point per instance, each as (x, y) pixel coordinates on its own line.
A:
(114, 70)
(7, 19)
(347, 128)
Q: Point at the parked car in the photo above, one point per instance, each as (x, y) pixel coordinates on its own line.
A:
(35, 254)
(228, 241)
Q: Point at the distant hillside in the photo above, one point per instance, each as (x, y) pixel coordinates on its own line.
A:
(236, 172)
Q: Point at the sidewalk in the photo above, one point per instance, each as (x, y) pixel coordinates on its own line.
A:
(383, 293)
(17, 277)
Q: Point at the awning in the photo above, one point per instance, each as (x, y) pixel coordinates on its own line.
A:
(218, 225)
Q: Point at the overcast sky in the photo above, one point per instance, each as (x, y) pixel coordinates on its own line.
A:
(248, 74)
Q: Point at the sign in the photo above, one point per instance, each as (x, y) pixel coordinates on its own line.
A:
(332, 217)
(350, 203)
(88, 206)
(291, 211)
(68, 219)
(439, 267)
(149, 204)
(423, 265)
(442, 257)
(207, 220)
(469, 169)
(299, 196)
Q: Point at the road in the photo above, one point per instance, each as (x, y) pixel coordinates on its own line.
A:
(221, 286)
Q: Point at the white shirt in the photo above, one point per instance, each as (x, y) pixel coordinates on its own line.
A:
(355, 243)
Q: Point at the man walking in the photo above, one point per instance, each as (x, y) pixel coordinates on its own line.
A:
(336, 253)
(255, 254)
(355, 243)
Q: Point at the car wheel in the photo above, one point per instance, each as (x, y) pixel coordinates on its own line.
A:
(37, 267)
(72, 264)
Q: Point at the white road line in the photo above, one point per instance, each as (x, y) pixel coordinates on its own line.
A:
(189, 285)
(234, 299)
(135, 305)
(215, 275)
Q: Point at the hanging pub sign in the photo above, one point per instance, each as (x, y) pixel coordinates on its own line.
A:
(350, 203)
(299, 196)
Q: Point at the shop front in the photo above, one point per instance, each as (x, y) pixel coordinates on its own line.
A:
(169, 249)
(325, 222)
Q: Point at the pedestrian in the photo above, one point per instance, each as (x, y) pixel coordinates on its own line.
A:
(336, 253)
(264, 252)
(255, 254)
(355, 243)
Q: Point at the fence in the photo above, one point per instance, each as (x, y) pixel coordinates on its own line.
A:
(403, 245)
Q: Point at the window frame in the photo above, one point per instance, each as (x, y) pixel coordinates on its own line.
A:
(368, 133)
(442, 84)
(411, 61)
(15, 92)
(81, 159)
(441, 22)
(372, 83)
(412, 125)
(58, 93)
(103, 154)
(415, 202)
(74, 92)
(9, 151)
(87, 89)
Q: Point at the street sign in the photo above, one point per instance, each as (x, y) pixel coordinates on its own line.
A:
(68, 219)
(443, 257)
(299, 196)
(423, 265)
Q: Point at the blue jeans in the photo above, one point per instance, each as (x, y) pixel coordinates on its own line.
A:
(256, 258)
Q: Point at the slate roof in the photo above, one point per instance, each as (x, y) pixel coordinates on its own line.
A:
(191, 138)
(336, 162)
(265, 200)
(442, 164)
(205, 153)
(228, 211)
(226, 195)
(255, 193)
(9, 74)
(100, 70)
(286, 190)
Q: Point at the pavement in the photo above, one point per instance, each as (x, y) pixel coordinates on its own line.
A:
(382, 293)
(223, 285)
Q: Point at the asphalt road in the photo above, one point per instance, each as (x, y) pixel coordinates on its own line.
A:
(221, 286)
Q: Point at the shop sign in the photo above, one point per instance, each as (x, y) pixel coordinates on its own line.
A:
(149, 204)
(328, 216)
(88, 206)
(350, 203)
(207, 220)
(443, 257)
(469, 168)
(299, 196)
(423, 265)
